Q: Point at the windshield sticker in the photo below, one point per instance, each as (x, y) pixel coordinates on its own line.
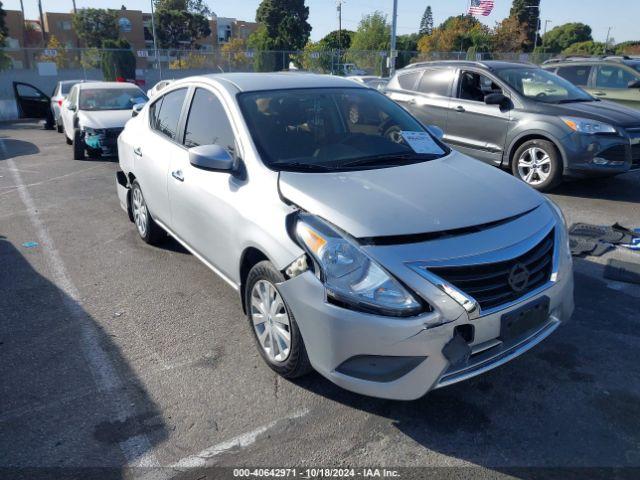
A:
(421, 142)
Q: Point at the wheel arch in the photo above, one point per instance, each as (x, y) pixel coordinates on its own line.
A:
(524, 137)
(250, 257)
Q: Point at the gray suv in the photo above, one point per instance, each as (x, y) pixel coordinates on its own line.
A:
(521, 117)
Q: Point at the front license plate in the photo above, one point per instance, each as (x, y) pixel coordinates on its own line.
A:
(525, 319)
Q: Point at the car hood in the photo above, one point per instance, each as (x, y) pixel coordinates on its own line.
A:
(603, 111)
(104, 119)
(446, 194)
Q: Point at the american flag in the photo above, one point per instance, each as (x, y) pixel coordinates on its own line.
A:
(480, 7)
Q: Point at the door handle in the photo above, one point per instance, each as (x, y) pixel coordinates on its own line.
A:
(177, 174)
(460, 108)
(137, 151)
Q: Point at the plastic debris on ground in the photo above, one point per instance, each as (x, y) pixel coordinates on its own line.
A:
(596, 240)
(30, 244)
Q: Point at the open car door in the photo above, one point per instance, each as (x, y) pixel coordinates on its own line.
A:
(33, 103)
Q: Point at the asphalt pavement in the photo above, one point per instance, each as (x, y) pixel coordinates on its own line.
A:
(115, 353)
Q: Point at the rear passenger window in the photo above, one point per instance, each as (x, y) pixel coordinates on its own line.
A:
(166, 119)
(154, 111)
(613, 77)
(436, 82)
(208, 123)
(408, 80)
(578, 75)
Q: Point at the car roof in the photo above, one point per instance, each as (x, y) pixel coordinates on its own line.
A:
(610, 59)
(486, 64)
(254, 82)
(65, 82)
(113, 85)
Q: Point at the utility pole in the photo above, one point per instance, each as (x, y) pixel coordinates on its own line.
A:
(155, 44)
(339, 7)
(606, 43)
(394, 26)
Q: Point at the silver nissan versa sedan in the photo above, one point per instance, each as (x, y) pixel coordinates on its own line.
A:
(360, 244)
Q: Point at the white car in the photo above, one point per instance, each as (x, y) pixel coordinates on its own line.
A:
(371, 81)
(94, 114)
(157, 87)
(59, 95)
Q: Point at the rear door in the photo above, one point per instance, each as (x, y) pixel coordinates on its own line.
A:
(473, 127)
(32, 102)
(431, 105)
(611, 82)
(157, 148)
(577, 74)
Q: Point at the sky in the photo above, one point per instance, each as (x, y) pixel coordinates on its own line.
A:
(621, 15)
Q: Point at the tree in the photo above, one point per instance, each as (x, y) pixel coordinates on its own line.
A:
(284, 26)
(628, 48)
(426, 24)
(5, 61)
(234, 52)
(330, 41)
(118, 60)
(192, 6)
(406, 45)
(586, 48)
(563, 36)
(510, 36)
(527, 12)
(95, 25)
(371, 37)
(60, 58)
(179, 28)
(457, 34)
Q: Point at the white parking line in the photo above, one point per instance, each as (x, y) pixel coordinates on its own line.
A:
(137, 450)
(241, 441)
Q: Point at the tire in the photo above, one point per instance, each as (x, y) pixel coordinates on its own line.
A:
(147, 228)
(538, 164)
(261, 287)
(59, 126)
(67, 139)
(78, 145)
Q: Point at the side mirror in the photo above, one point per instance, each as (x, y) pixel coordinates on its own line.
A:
(211, 157)
(71, 107)
(137, 108)
(495, 99)
(436, 131)
(634, 84)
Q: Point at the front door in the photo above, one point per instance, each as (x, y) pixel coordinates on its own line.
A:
(32, 102)
(611, 82)
(473, 127)
(203, 202)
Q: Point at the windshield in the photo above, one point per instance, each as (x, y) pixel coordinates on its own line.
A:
(543, 86)
(334, 129)
(110, 98)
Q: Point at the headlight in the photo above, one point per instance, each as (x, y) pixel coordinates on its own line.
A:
(564, 250)
(589, 127)
(349, 275)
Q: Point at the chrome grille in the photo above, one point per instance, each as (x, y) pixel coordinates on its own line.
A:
(492, 285)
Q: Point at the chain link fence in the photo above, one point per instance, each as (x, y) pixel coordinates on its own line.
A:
(43, 68)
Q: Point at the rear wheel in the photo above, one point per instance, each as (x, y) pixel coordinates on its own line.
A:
(59, 126)
(274, 327)
(538, 164)
(147, 228)
(78, 145)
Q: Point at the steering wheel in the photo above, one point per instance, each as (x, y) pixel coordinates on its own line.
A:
(393, 134)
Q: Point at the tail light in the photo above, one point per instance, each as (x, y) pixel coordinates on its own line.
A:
(60, 102)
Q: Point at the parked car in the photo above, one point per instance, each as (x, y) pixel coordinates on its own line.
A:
(33, 103)
(521, 117)
(615, 78)
(157, 87)
(359, 244)
(349, 69)
(61, 91)
(94, 114)
(371, 81)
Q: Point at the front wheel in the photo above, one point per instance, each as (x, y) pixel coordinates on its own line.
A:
(274, 327)
(538, 164)
(59, 126)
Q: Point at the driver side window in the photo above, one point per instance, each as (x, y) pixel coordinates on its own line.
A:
(474, 86)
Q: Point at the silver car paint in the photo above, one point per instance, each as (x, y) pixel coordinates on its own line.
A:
(418, 198)
(255, 212)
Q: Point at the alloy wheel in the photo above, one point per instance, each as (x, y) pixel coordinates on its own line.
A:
(270, 321)
(534, 166)
(140, 212)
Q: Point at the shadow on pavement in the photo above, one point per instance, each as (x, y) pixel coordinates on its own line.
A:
(68, 397)
(572, 401)
(625, 188)
(18, 148)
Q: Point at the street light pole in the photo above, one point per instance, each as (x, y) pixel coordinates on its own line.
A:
(606, 43)
(394, 26)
